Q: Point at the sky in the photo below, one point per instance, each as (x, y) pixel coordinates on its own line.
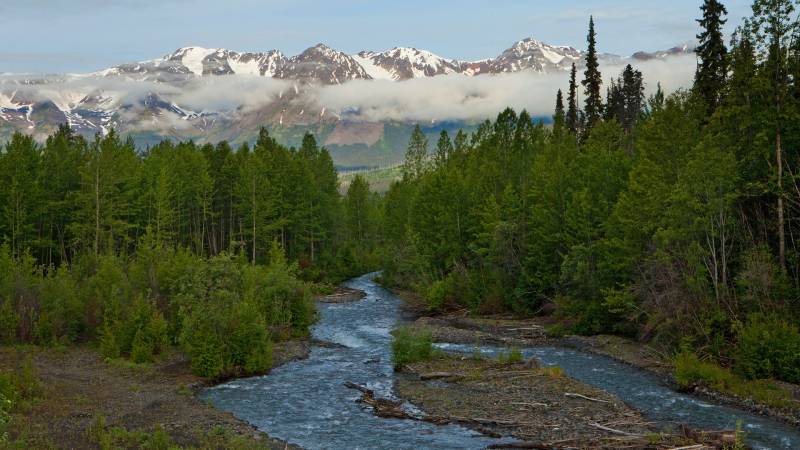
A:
(57, 36)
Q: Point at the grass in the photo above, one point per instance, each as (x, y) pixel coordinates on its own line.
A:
(690, 369)
(410, 346)
(106, 437)
(512, 356)
(18, 390)
(553, 372)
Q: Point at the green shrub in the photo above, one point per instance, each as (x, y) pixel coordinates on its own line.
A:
(5, 418)
(437, 294)
(768, 347)
(62, 315)
(690, 370)
(142, 348)
(410, 346)
(109, 347)
(207, 359)
(512, 356)
(8, 322)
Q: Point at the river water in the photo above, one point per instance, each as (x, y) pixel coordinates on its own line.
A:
(305, 403)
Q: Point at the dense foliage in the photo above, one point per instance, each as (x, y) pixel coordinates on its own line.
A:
(205, 248)
(673, 219)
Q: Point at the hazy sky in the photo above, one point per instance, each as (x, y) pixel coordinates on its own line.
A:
(86, 35)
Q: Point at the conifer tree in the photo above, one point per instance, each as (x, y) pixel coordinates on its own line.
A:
(443, 148)
(416, 154)
(633, 95)
(774, 27)
(712, 67)
(559, 115)
(572, 102)
(592, 80)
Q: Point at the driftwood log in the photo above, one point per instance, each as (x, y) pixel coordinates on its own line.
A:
(382, 407)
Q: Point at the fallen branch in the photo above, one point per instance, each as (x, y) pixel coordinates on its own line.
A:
(358, 387)
(530, 404)
(439, 375)
(570, 394)
(381, 407)
(533, 445)
(612, 430)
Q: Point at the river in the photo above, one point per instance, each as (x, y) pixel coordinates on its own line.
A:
(305, 403)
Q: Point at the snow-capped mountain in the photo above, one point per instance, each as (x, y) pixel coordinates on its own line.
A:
(200, 62)
(153, 99)
(403, 63)
(322, 64)
(530, 54)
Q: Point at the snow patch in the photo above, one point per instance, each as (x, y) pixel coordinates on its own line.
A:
(373, 70)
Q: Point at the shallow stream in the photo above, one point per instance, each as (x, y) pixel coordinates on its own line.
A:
(305, 403)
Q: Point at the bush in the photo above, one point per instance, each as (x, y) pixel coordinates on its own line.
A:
(691, 370)
(439, 294)
(768, 347)
(410, 346)
(62, 317)
(142, 348)
(8, 322)
(109, 348)
(513, 356)
(207, 359)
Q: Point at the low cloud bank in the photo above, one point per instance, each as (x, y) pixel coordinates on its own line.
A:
(452, 97)
(460, 97)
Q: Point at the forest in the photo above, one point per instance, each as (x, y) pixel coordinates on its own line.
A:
(669, 218)
(673, 219)
(210, 249)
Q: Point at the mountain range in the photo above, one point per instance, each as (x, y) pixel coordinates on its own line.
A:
(150, 100)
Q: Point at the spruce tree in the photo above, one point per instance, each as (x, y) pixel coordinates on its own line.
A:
(444, 148)
(592, 80)
(572, 102)
(416, 154)
(633, 97)
(559, 115)
(712, 67)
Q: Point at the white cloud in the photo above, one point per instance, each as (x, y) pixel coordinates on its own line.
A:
(453, 97)
(460, 97)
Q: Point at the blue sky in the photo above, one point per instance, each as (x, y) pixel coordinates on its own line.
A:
(85, 35)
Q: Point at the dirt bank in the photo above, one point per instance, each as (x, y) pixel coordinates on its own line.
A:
(457, 328)
(541, 407)
(78, 387)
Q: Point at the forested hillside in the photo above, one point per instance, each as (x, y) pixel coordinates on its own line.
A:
(208, 248)
(669, 218)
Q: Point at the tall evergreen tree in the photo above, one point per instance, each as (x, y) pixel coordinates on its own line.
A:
(572, 101)
(444, 148)
(633, 95)
(559, 116)
(592, 80)
(774, 28)
(416, 155)
(712, 67)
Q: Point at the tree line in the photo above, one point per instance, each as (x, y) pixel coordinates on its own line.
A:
(672, 218)
(209, 248)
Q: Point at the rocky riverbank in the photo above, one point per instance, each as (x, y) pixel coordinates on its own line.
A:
(539, 406)
(79, 392)
(457, 328)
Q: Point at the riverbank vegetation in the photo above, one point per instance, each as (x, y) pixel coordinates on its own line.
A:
(669, 218)
(203, 250)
